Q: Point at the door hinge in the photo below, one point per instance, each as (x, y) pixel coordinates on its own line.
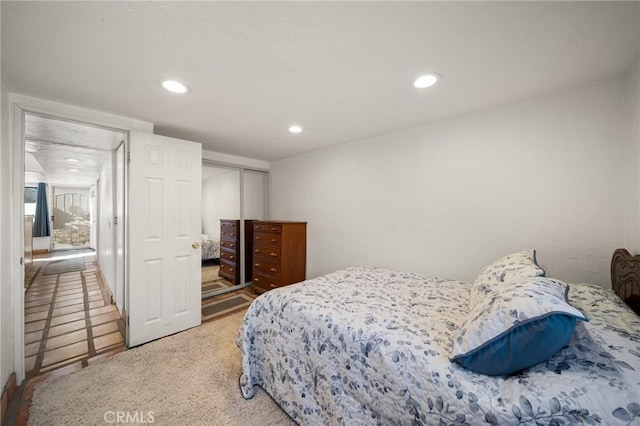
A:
(115, 220)
(128, 157)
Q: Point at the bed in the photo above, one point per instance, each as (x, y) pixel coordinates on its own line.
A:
(210, 247)
(368, 345)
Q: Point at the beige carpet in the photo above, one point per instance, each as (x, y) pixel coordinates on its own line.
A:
(210, 273)
(190, 378)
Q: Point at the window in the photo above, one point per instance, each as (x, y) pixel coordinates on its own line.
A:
(30, 196)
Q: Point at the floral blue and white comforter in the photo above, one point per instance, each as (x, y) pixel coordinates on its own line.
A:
(210, 247)
(372, 346)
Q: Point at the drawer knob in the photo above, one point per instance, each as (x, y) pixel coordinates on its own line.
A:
(257, 238)
(256, 279)
(273, 285)
(230, 269)
(274, 229)
(274, 254)
(256, 251)
(273, 240)
(230, 257)
(257, 265)
(222, 243)
(273, 270)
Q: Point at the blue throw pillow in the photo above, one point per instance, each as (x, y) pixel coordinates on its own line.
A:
(515, 326)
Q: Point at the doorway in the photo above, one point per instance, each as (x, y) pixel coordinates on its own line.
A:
(71, 219)
(71, 286)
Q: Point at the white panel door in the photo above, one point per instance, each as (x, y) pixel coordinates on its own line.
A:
(164, 236)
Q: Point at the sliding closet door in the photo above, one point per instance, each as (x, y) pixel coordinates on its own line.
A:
(254, 203)
(220, 198)
(220, 244)
(231, 199)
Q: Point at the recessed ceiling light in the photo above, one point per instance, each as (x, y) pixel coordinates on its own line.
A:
(73, 170)
(295, 129)
(71, 160)
(175, 86)
(426, 80)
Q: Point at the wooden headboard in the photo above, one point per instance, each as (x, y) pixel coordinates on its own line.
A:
(625, 277)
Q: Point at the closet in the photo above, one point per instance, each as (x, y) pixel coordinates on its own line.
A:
(232, 198)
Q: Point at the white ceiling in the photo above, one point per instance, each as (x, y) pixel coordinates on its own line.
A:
(49, 143)
(342, 70)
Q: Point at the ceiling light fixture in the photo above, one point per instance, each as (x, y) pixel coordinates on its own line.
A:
(295, 129)
(175, 86)
(72, 160)
(426, 80)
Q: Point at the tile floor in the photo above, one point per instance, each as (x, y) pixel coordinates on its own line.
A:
(67, 318)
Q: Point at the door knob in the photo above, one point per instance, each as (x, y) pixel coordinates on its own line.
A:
(195, 245)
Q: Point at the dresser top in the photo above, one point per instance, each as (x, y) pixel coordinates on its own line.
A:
(278, 221)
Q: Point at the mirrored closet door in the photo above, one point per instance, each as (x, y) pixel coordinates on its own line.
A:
(232, 199)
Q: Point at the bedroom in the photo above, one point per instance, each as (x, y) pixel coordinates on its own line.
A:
(530, 139)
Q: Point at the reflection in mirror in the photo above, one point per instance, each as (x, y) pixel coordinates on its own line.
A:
(220, 200)
(229, 195)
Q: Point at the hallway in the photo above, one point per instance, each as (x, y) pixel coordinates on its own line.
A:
(69, 321)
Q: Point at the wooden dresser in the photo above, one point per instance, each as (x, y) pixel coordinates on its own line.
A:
(279, 254)
(231, 247)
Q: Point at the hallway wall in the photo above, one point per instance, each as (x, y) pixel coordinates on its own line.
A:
(106, 252)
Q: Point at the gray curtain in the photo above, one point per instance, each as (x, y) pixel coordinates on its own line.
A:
(41, 227)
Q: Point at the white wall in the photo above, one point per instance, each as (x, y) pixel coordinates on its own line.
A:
(106, 229)
(254, 195)
(632, 163)
(41, 243)
(6, 283)
(448, 197)
(119, 242)
(220, 200)
(93, 212)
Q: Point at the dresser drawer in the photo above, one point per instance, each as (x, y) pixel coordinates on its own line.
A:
(231, 224)
(229, 255)
(268, 268)
(267, 239)
(227, 271)
(272, 253)
(265, 282)
(268, 227)
(228, 244)
(229, 234)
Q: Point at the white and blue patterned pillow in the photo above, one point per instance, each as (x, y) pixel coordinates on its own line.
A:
(513, 267)
(515, 326)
